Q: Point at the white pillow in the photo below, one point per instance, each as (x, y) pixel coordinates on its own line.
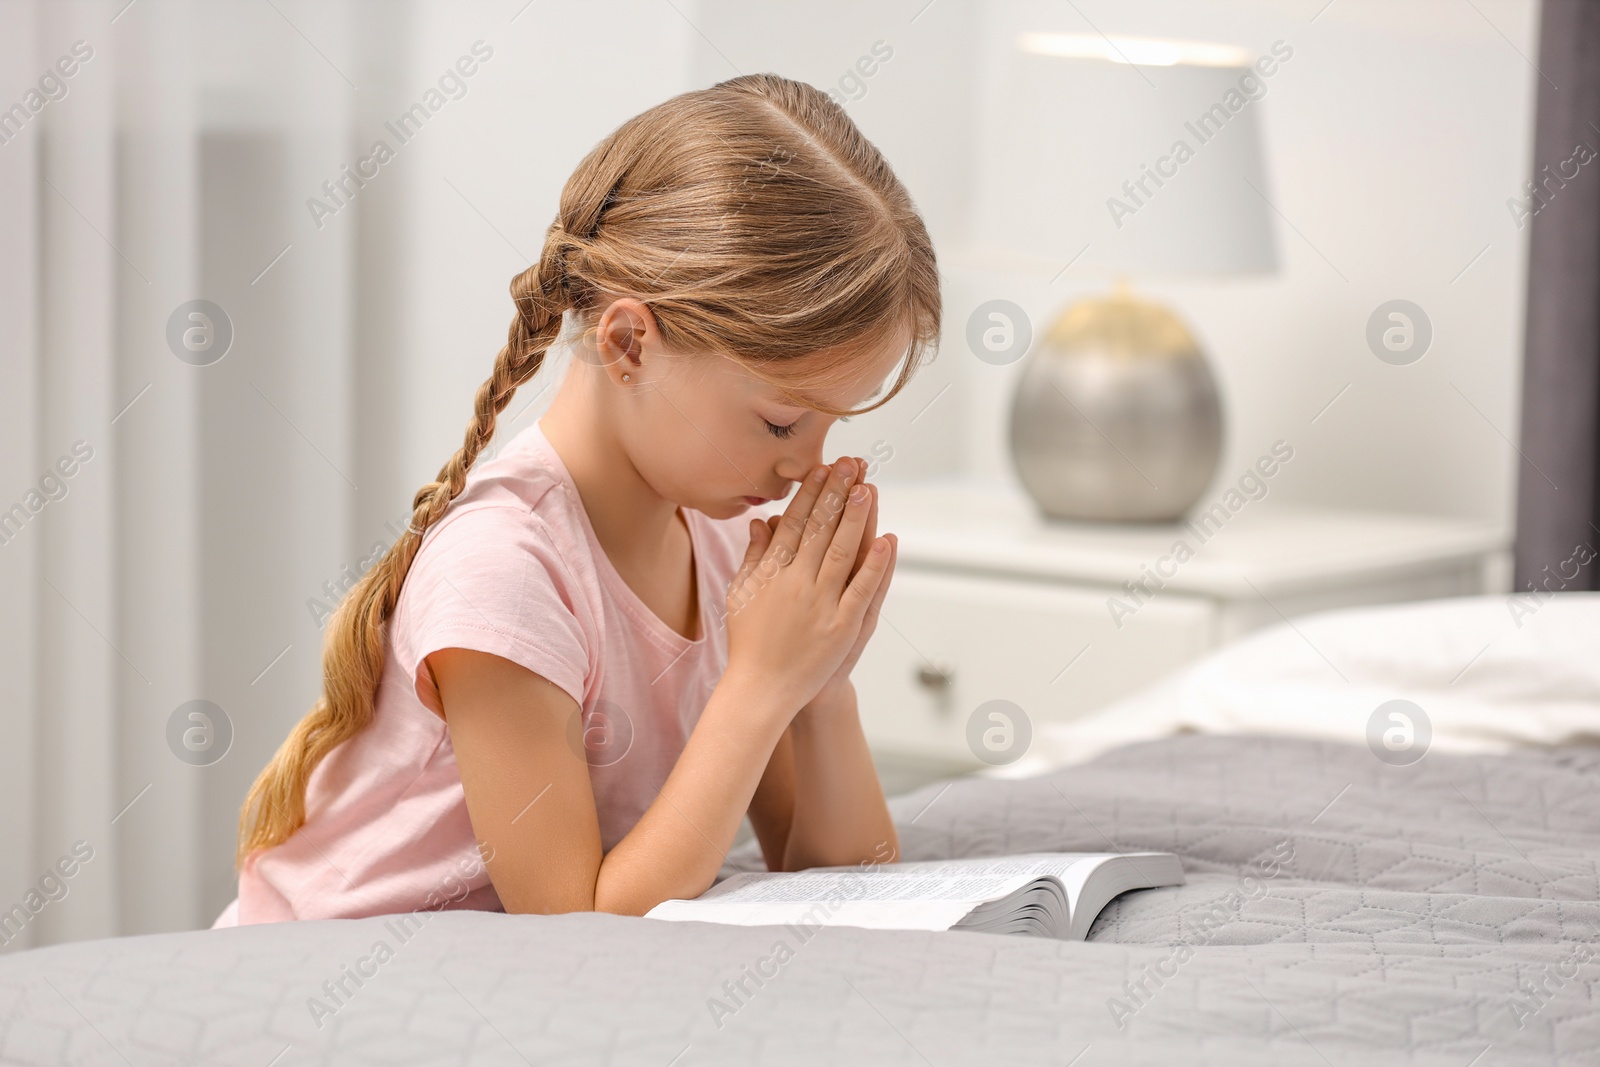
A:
(1490, 673)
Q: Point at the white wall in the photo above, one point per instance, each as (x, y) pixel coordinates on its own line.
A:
(558, 82)
(1393, 138)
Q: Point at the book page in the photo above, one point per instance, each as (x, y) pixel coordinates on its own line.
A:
(1029, 863)
(901, 902)
(931, 895)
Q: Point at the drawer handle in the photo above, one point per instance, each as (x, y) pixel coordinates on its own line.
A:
(936, 676)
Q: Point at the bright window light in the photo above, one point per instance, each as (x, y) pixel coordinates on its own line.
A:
(1140, 51)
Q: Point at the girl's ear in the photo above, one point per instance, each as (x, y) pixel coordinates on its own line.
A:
(626, 335)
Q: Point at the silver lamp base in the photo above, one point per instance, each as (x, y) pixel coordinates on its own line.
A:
(1116, 416)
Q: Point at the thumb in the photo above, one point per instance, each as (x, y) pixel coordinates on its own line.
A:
(760, 535)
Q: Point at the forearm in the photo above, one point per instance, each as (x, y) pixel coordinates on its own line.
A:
(678, 845)
(840, 816)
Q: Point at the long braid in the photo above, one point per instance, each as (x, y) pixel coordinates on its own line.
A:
(352, 659)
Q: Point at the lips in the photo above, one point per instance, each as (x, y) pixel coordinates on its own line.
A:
(757, 501)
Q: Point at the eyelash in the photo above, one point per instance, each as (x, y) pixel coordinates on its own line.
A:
(782, 433)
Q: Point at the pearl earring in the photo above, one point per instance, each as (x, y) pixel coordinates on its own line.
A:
(624, 377)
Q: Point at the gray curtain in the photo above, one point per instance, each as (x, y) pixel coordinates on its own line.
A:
(1558, 506)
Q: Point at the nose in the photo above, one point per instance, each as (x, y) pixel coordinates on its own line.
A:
(795, 468)
(791, 470)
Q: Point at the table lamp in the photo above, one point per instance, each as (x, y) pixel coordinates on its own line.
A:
(1133, 157)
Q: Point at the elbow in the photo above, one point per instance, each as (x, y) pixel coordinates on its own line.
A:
(621, 905)
(613, 893)
(514, 906)
(621, 901)
(620, 897)
(538, 898)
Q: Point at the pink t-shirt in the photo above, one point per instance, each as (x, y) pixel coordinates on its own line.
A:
(512, 568)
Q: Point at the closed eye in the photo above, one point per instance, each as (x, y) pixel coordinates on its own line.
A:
(780, 432)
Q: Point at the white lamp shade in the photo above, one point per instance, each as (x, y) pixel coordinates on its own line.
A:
(1156, 169)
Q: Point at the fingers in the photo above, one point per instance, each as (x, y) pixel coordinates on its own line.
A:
(824, 517)
(863, 588)
(869, 617)
(839, 558)
(883, 587)
(870, 531)
(738, 592)
(757, 547)
(791, 526)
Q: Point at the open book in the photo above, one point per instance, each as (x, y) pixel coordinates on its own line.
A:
(1047, 894)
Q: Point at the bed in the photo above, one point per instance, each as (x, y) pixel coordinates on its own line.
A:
(1446, 912)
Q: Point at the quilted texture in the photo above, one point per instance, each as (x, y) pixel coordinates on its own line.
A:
(1338, 911)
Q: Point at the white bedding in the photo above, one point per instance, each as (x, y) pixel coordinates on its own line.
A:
(1491, 673)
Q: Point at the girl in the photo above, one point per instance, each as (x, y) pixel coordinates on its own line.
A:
(580, 668)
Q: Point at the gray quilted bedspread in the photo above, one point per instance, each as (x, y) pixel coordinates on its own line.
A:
(1337, 911)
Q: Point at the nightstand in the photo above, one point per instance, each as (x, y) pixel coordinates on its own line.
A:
(991, 601)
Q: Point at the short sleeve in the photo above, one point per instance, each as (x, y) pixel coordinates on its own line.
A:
(492, 579)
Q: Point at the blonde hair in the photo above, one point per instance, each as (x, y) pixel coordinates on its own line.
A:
(756, 223)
